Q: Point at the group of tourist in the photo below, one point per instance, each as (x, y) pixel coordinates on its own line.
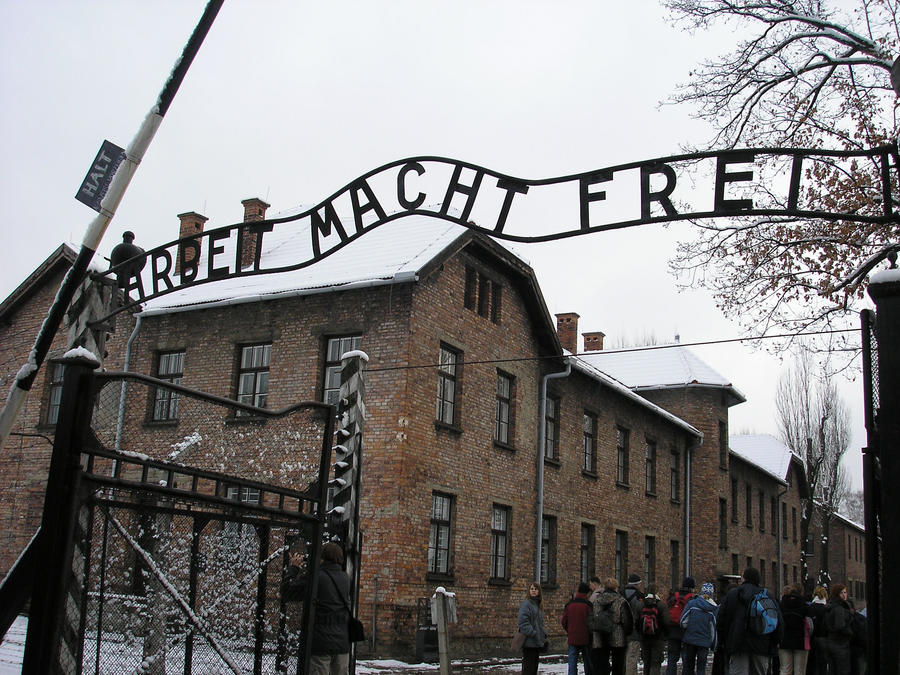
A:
(747, 632)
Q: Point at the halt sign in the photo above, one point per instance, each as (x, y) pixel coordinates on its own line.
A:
(99, 176)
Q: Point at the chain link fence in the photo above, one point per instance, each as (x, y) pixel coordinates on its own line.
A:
(189, 507)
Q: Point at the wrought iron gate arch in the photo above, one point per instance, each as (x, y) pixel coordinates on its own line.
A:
(160, 563)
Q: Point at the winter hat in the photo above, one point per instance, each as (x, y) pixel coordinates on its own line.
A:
(708, 589)
(689, 583)
(633, 579)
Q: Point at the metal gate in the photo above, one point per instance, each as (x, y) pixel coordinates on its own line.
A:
(169, 520)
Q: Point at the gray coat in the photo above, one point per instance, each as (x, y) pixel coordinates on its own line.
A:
(531, 624)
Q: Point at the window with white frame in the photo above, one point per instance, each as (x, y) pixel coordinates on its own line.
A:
(548, 550)
(253, 375)
(500, 542)
(170, 367)
(589, 444)
(621, 559)
(503, 417)
(439, 535)
(335, 348)
(622, 440)
(448, 386)
(588, 544)
(650, 468)
(649, 560)
(56, 370)
(675, 475)
(551, 428)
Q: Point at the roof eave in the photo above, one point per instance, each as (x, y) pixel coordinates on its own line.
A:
(736, 397)
(64, 255)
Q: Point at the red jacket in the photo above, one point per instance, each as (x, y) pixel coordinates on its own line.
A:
(574, 620)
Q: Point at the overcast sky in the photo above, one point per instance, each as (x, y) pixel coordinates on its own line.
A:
(291, 100)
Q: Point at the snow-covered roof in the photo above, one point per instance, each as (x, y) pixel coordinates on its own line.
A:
(662, 367)
(765, 452)
(591, 371)
(391, 253)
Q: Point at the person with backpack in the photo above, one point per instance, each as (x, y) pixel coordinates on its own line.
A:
(635, 599)
(676, 604)
(611, 618)
(699, 623)
(839, 630)
(793, 652)
(651, 625)
(750, 624)
(575, 621)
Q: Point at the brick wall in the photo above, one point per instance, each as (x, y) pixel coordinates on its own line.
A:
(407, 455)
(25, 459)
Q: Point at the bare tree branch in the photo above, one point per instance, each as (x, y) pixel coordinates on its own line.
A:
(803, 73)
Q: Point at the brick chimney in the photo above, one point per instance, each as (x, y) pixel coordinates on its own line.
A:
(567, 327)
(593, 342)
(254, 210)
(191, 225)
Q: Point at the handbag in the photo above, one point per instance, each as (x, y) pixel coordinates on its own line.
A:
(518, 641)
(355, 630)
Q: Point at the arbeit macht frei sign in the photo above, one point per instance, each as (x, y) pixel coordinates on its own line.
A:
(760, 182)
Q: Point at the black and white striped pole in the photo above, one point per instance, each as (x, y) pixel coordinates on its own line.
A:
(102, 189)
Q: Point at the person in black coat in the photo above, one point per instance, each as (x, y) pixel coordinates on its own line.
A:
(818, 655)
(748, 653)
(330, 640)
(839, 630)
(794, 648)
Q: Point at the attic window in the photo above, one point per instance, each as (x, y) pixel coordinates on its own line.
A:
(482, 295)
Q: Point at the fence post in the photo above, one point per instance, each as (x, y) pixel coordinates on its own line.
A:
(443, 612)
(351, 411)
(55, 540)
(884, 289)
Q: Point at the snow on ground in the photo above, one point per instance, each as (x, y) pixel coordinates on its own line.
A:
(13, 645)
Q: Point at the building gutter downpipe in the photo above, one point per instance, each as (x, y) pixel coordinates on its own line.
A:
(539, 513)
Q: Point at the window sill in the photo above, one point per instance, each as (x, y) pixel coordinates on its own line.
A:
(448, 579)
(624, 486)
(552, 461)
(504, 446)
(452, 428)
(675, 500)
(589, 474)
(652, 495)
(501, 583)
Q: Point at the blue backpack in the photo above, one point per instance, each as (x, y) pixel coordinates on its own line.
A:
(763, 614)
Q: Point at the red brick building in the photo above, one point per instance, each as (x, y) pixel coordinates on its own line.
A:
(470, 480)
(843, 542)
(768, 484)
